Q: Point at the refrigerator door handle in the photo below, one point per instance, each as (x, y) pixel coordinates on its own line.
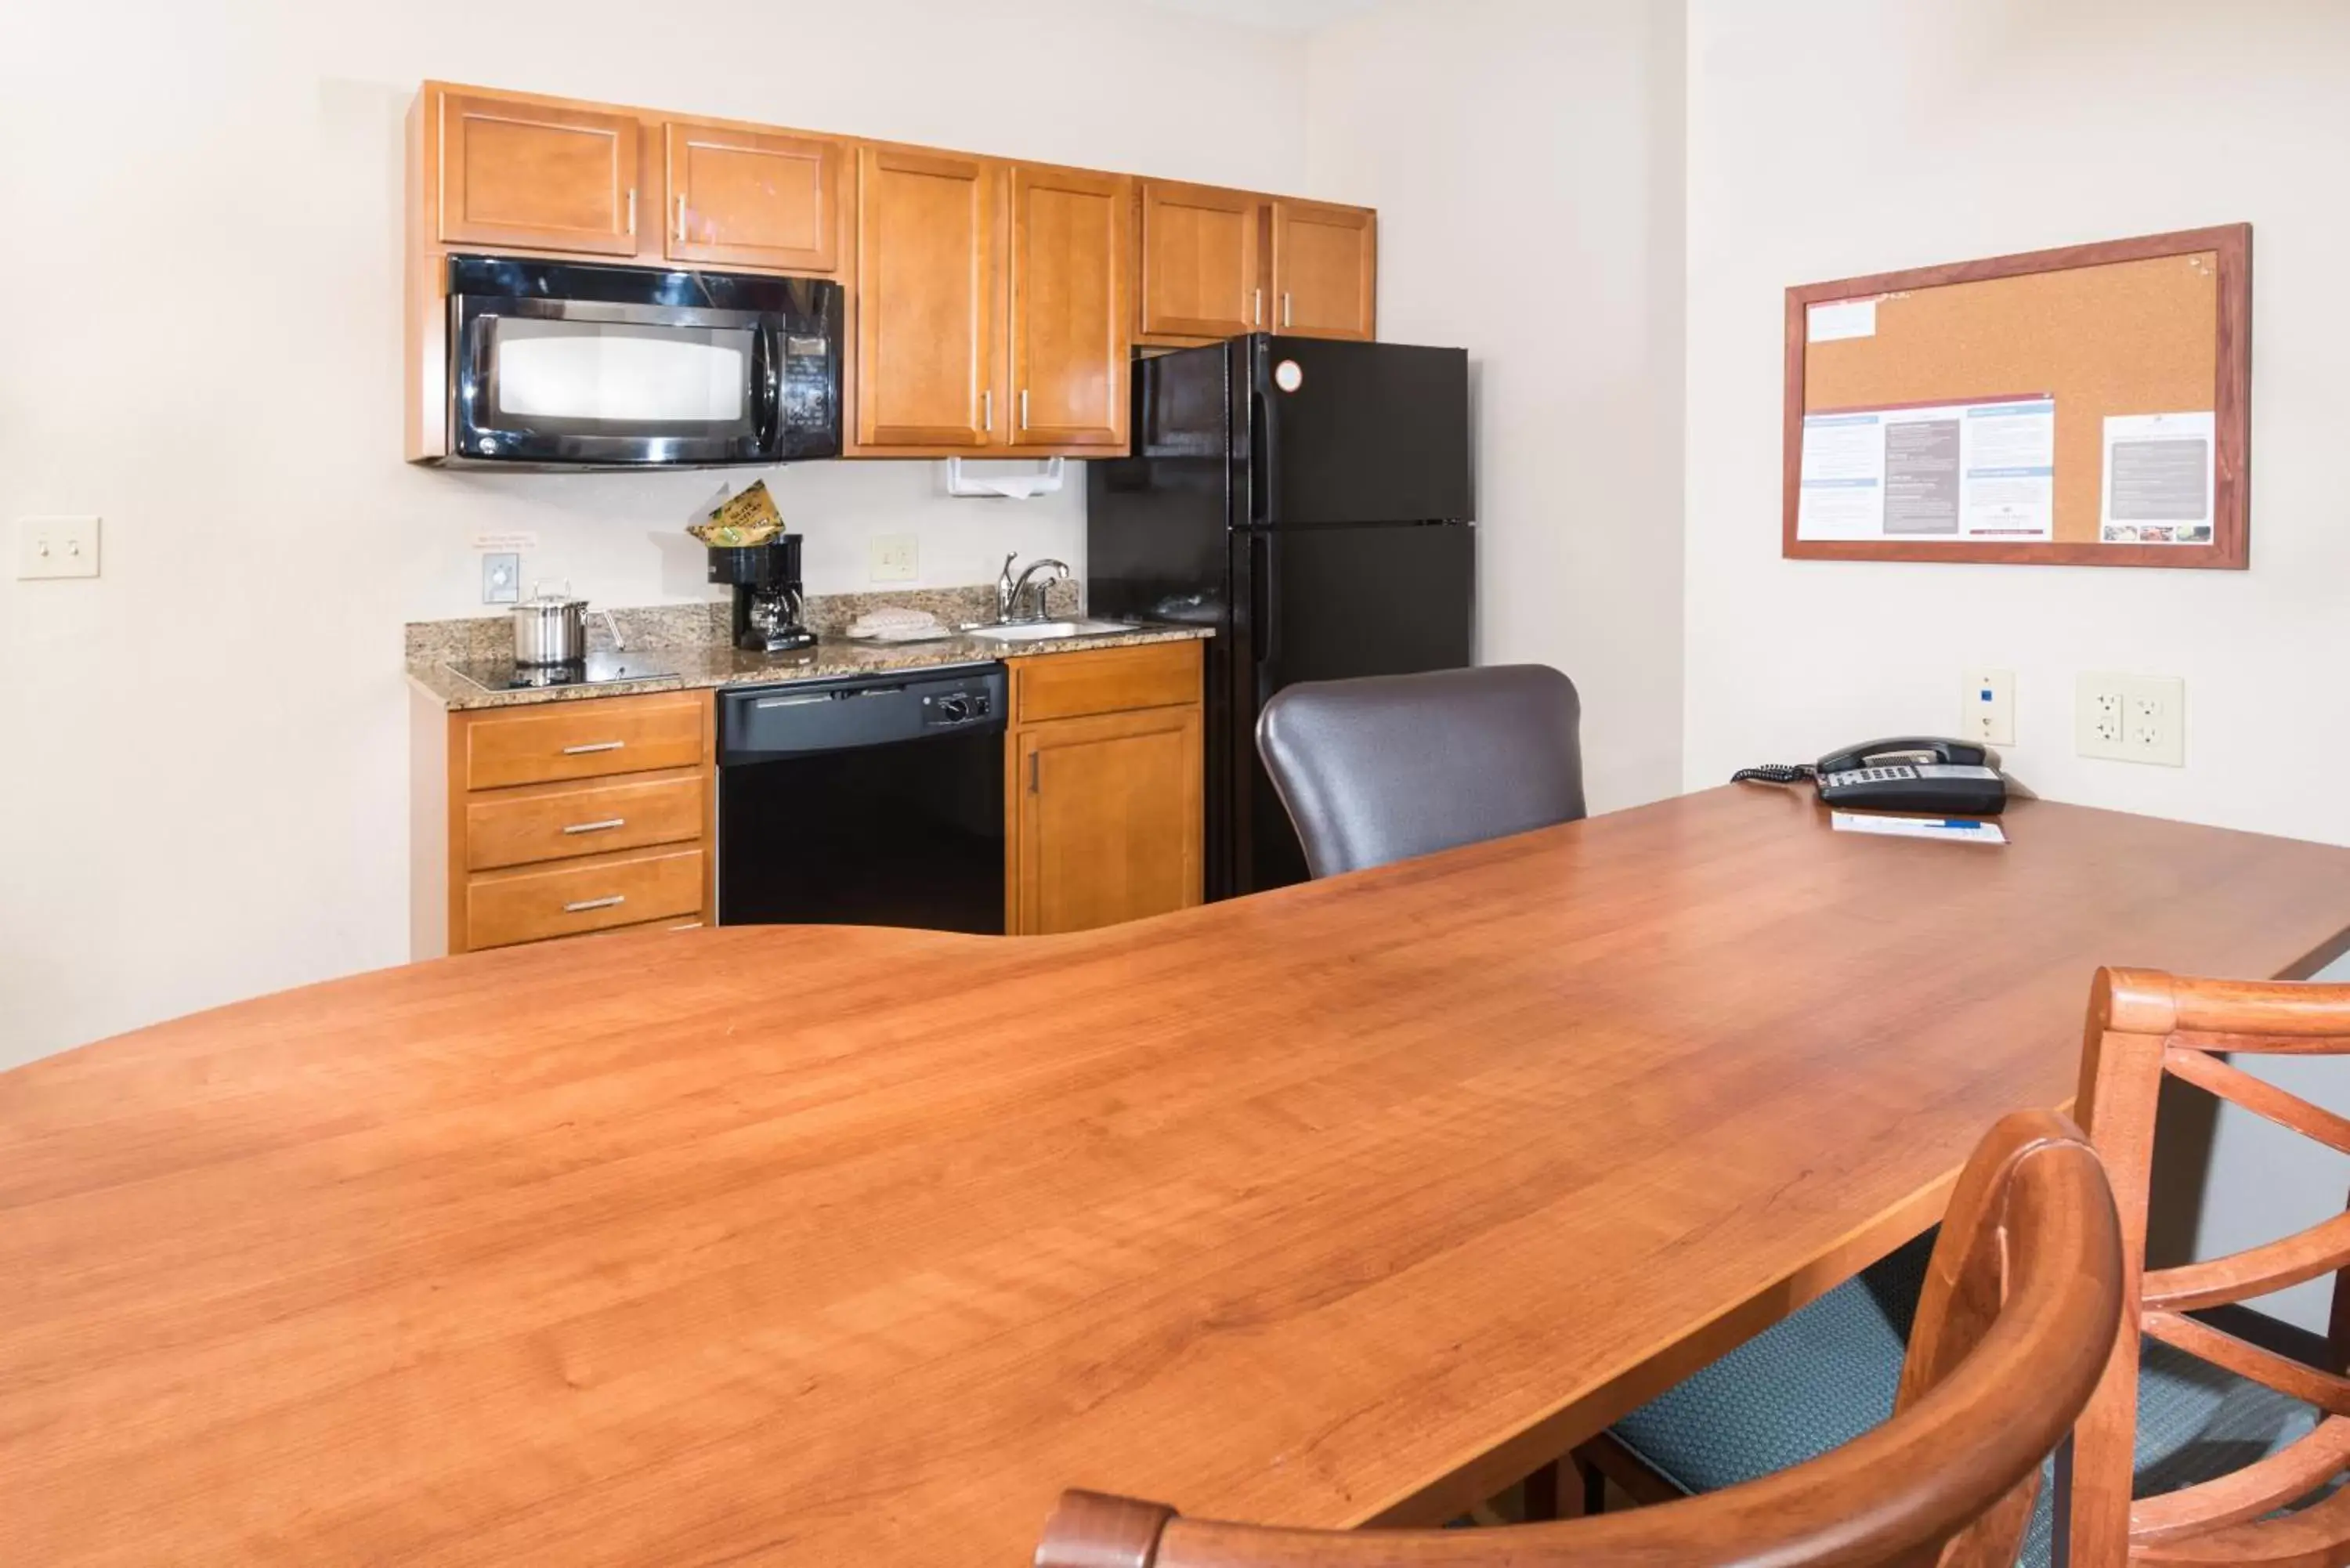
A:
(1266, 633)
(1264, 477)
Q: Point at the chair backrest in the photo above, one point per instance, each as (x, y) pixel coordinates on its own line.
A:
(1391, 766)
(2011, 1333)
(2143, 1026)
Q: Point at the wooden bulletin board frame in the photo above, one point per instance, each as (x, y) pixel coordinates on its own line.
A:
(2231, 399)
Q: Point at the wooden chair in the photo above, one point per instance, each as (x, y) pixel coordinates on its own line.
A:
(2013, 1329)
(2144, 1027)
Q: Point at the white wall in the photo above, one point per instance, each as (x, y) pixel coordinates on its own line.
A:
(1829, 138)
(203, 754)
(1525, 157)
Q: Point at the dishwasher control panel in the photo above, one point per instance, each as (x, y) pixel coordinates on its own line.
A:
(964, 705)
(765, 723)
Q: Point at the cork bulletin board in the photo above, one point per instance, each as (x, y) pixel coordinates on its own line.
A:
(2089, 405)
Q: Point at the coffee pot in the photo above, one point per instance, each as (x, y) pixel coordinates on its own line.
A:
(768, 602)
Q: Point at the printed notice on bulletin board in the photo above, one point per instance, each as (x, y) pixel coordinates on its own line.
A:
(1985, 470)
(2158, 479)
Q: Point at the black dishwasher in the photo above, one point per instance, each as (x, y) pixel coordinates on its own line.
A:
(875, 801)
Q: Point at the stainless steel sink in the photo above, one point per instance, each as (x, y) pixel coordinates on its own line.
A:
(1046, 630)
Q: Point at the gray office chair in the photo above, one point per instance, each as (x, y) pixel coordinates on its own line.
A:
(1392, 766)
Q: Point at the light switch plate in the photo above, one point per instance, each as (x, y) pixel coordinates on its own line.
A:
(2131, 718)
(56, 547)
(1987, 706)
(895, 559)
(501, 577)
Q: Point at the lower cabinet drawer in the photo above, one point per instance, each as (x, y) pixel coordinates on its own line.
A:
(587, 739)
(552, 822)
(1105, 681)
(532, 904)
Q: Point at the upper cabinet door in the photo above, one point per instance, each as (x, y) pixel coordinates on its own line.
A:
(927, 300)
(516, 173)
(1200, 275)
(750, 198)
(1070, 338)
(1324, 265)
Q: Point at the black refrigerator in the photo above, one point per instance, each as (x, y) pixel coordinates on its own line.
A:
(1309, 499)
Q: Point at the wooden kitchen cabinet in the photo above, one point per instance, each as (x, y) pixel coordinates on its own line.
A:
(1201, 272)
(1069, 260)
(929, 304)
(527, 172)
(1105, 787)
(741, 197)
(1325, 270)
(556, 819)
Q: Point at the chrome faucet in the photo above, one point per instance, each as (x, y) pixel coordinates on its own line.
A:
(1008, 589)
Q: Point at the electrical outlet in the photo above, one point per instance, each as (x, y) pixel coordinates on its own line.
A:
(1987, 706)
(894, 558)
(56, 547)
(2131, 718)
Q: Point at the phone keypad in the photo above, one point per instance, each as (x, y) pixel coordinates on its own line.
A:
(1900, 772)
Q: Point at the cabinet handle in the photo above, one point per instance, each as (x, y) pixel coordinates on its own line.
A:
(632, 209)
(1256, 310)
(1024, 408)
(1285, 320)
(593, 746)
(582, 906)
(987, 409)
(680, 217)
(1031, 771)
(606, 826)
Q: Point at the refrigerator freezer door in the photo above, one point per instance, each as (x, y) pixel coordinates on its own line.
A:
(1330, 605)
(1342, 433)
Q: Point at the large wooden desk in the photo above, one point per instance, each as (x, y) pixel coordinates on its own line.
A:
(827, 1246)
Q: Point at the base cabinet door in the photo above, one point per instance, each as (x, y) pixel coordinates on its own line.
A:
(1110, 819)
(552, 177)
(1325, 266)
(927, 301)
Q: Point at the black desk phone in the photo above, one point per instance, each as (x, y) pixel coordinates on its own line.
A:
(1913, 772)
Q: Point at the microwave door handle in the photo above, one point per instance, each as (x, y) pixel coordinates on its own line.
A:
(766, 393)
(476, 414)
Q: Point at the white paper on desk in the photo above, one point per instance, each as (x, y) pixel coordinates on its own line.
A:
(1952, 829)
(1840, 318)
(2159, 479)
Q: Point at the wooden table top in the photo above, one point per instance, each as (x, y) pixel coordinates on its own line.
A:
(822, 1245)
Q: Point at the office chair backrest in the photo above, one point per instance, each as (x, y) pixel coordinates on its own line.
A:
(1392, 766)
(2012, 1330)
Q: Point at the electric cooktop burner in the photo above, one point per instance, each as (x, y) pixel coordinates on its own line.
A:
(597, 669)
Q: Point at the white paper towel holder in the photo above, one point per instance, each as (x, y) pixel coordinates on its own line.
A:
(1007, 487)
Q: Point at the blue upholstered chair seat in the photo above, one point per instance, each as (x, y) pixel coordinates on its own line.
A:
(1827, 1373)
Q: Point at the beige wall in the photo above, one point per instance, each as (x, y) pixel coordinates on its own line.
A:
(202, 767)
(1829, 138)
(1525, 157)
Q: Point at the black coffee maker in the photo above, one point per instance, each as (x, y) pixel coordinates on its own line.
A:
(767, 602)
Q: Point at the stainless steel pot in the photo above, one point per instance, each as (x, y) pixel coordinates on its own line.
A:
(550, 629)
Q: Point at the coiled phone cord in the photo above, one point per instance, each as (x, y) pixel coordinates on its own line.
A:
(1776, 773)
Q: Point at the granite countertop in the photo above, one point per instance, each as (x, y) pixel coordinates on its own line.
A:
(702, 663)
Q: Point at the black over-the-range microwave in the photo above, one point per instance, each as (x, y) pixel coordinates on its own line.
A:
(566, 365)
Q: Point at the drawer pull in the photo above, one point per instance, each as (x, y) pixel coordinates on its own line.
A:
(593, 746)
(606, 826)
(584, 904)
